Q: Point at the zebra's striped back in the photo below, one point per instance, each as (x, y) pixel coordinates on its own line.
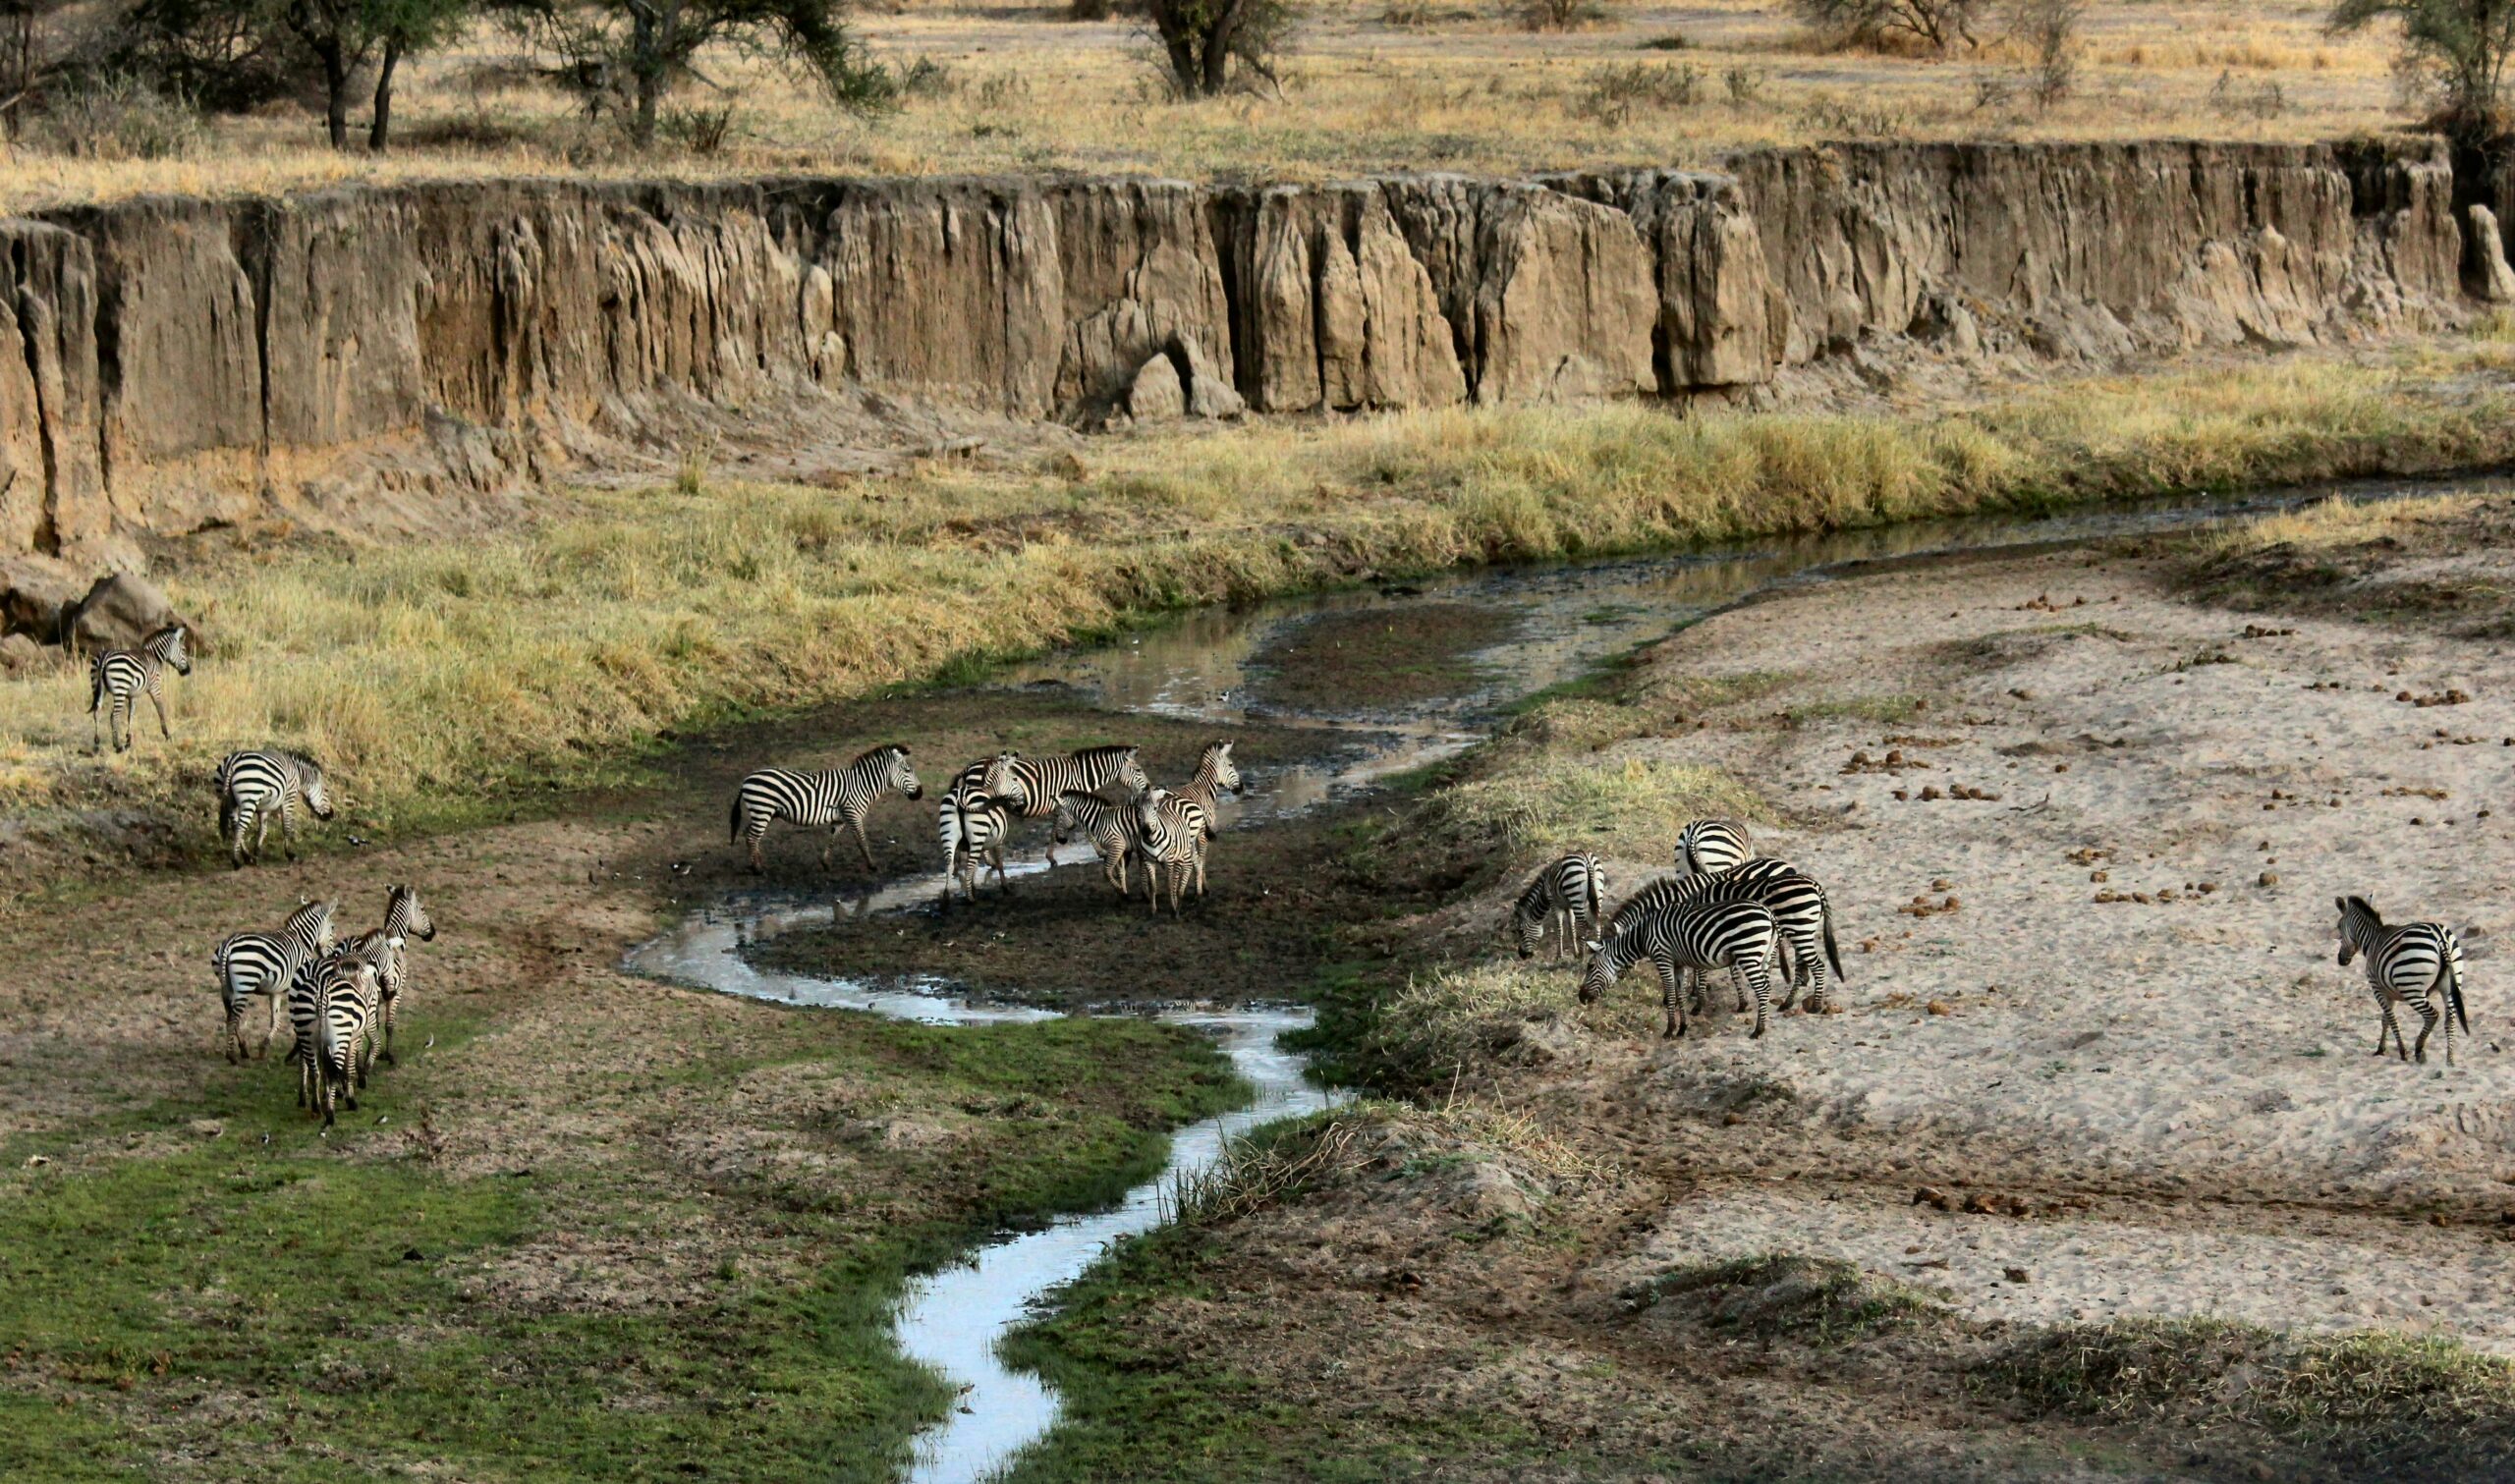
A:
(2415, 964)
(1708, 847)
(840, 798)
(1570, 893)
(251, 785)
(1112, 828)
(1030, 784)
(264, 964)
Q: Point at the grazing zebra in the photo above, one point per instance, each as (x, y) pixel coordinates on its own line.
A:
(1739, 936)
(2418, 964)
(1708, 847)
(333, 1007)
(1029, 786)
(1110, 827)
(123, 676)
(387, 947)
(1571, 894)
(251, 785)
(264, 964)
(1798, 904)
(839, 799)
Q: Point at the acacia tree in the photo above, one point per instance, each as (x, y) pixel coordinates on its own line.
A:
(2459, 49)
(403, 29)
(1211, 44)
(1935, 24)
(643, 49)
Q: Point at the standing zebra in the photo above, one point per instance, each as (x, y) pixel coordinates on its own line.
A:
(1571, 894)
(1172, 832)
(1112, 828)
(388, 949)
(1188, 812)
(1031, 785)
(123, 676)
(1708, 847)
(264, 964)
(1799, 906)
(839, 799)
(978, 826)
(2418, 964)
(333, 1007)
(1738, 936)
(251, 785)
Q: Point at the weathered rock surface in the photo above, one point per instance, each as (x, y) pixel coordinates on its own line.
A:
(371, 358)
(118, 612)
(2494, 282)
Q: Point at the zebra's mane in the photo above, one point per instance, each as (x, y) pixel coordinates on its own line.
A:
(2360, 910)
(869, 753)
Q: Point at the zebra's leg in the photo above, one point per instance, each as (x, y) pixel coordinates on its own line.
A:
(288, 840)
(1673, 1013)
(863, 847)
(235, 1027)
(159, 701)
(2428, 1026)
(1738, 985)
(831, 845)
(2384, 1003)
(270, 1032)
(262, 832)
(995, 862)
(241, 820)
(1759, 974)
(388, 1010)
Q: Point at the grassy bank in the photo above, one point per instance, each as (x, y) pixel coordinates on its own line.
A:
(705, 1287)
(438, 678)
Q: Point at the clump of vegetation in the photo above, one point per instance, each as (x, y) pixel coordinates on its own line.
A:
(1819, 1302)
(2050, 30)
(1262, 1168)
(1613, 93)
(1547, 801)
(2455, 52)
(117, 116)
(1209, 47)
(1895, 24)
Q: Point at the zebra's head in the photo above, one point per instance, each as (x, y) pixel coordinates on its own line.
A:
(173, 644)
(401, 909)
(318, 793)
(1528, 929)
(1131, 773)
(2358, 926)
(1004, 783)
(1148, 811)
(903, 776)
(1601, 973)
(1218, 765)
(1067, 820)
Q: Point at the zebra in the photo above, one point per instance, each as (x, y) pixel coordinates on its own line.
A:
(1708, 847)
(1112, 828)
(976, 825)
(1571, 894)
(122, 676)
(839, 799)
(1172, 832)
(1797, 903)
(251, 783)
(1031, 785)
(387, 947)
(264, 964)
(1188, 811)
(2409, 966)
(1739, 936)
(334, 1007)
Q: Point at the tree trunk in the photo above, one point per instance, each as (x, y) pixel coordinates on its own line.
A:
(336, 93)
(379, 130)
(646, 59)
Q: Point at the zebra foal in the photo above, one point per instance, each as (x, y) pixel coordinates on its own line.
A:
(1570, 895)
(118, 677)
(1738, 936)
(1112, 828)
(840, 798)
(264, 964)
(2416, 964)
(252, 785)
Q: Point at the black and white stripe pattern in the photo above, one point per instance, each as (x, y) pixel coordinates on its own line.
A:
(1172, 832)
(1187, 817)
(2418, 964)
(388, 949)
(264, 964)
(1739, 936)
(1570, 895)
(1708, 847)
(1805, 917)
(1029, 786)
(979, 824)
(254, 786)
(333, 1005)
(1111, 828)
(118, 677)
(839, 799)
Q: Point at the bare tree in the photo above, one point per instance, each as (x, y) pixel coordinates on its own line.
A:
(2050, 30)
(2457, 51)
(1935, 24)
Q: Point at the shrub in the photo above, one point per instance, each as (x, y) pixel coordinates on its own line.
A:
(118, 115)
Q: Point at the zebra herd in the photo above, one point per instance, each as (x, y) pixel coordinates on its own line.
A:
(1725, 911)
(343, 995)
(1101, 794)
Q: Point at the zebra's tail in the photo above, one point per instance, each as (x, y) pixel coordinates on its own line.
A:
(734, 820)
(2454, 983)
(1833, 954)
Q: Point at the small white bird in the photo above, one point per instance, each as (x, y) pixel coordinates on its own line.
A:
(431, 1043)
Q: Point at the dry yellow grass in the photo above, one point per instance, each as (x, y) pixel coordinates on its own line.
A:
(1466, 89)
(443, 674)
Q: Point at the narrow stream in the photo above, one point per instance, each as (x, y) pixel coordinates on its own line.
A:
(1566, 619)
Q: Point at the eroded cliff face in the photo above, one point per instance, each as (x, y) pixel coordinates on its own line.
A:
(364, 350)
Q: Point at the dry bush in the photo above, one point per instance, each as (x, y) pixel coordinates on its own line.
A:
(2050, 30)
(117, 117)
(1611, 95)
(1560, 14)
(1895, 24)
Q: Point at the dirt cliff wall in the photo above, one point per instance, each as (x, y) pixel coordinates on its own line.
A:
(184, 361)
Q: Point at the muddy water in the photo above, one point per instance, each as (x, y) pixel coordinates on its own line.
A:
(1213, 666)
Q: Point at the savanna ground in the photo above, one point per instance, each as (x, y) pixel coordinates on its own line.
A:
(2090, 1174)
(599, 1219)
(1368, 85)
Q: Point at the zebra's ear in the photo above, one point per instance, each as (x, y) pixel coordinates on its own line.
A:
(1591, 946)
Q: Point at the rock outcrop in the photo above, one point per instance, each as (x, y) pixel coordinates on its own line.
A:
(357, 357)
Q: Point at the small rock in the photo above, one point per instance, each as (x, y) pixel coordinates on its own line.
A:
(2017, 1275)
(1940, 1007)
(206, 1127)
(2269, 878)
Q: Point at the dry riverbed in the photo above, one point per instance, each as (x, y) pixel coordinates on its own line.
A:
(2091, 1173)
